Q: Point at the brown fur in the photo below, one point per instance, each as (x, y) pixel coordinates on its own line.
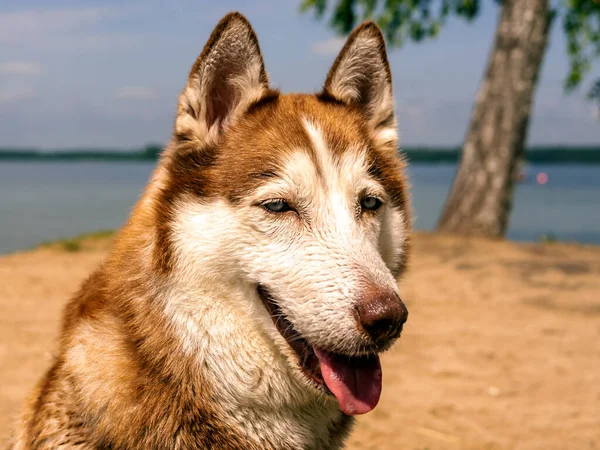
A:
(120, 380)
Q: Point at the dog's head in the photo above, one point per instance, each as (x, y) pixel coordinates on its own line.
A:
(301, 197)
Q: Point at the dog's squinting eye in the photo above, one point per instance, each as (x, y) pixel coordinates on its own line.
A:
(370, 203)
(277, 206)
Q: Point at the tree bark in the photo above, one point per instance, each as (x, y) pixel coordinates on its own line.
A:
(480, 199)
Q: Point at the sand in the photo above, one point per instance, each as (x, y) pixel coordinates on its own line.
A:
(501, 349)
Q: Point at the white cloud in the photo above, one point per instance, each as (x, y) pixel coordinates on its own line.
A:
(415, 108)
(15, 24)
(16, 95)
(328, 47)
(20, 68)
(135, 93)
(33, 24)
(121, 42)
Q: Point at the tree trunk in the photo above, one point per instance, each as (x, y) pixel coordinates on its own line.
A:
(480, 200)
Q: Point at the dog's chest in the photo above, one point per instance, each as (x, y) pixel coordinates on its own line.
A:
(251, 383)
(299, 430)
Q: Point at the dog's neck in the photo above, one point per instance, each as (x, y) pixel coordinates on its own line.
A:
(221, 330)
(225, 330)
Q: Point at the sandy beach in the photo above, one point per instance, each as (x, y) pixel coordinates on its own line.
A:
(501, 350)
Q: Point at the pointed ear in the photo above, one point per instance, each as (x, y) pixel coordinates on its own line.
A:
(361, 77)
(227, 77)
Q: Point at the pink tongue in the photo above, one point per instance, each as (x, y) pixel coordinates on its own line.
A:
(355, 382)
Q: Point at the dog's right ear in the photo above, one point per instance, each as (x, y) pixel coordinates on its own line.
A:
(227, 77)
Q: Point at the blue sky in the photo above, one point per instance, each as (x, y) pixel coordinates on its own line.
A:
(107, 73)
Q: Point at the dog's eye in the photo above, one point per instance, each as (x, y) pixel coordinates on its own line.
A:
(277, 206)
(370, 203)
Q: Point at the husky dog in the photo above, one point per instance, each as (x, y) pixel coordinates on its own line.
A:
(245, 302)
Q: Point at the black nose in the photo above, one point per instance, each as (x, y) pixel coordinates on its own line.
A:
(381, 315)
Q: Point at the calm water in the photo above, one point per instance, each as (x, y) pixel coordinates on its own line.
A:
(45, 201)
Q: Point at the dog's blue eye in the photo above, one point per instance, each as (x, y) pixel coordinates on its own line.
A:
(277, 206)
(371, 203)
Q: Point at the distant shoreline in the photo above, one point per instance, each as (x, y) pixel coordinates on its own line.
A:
(433, 155)
(89, 239)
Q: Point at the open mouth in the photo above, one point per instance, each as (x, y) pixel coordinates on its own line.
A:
(355, 381)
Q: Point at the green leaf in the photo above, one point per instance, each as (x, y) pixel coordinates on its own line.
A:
(581, 25)
(318, 5)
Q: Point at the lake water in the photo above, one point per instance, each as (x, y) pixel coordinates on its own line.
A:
(51, 200)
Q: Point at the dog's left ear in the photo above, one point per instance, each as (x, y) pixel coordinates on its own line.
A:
(361, 77)
(228, 76)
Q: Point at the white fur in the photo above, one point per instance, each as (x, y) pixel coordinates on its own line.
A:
(233, 337)
(316, 264)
